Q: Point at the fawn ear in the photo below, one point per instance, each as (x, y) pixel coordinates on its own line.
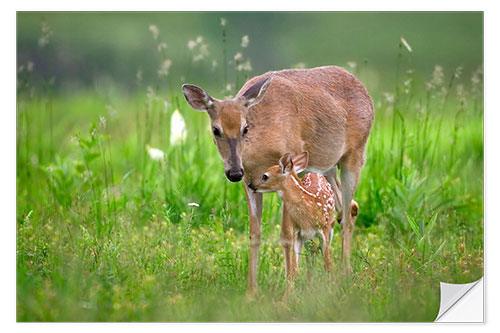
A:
(300, 162)
(255, 93)
(197, 98)
(286, 163)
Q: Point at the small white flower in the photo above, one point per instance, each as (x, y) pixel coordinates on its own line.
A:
(154, 29)
(102, 120)
(300, 65)
(245, 41)
(177, 128)
(223, 21)
(164, 67)
(193, 204)
(405, 43)
(238, 56)
(192, 44)
(30, 66)
(162, 46)
(155, 154)
(352, 64)
(246, 66)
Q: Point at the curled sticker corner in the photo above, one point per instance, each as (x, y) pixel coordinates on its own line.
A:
(461, 302)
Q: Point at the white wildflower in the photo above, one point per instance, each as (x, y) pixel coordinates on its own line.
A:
(155, 154)
(45, 36)
(164, 67)
(476, 80)
(389, 97)
(30, 66)
(154, 30)
(139, 76)
(193, 204)
(300, 65)
(102, 120)
(191, 44)
(245, 41)
(438, 75)
(223, 21)
(238, 56)
(405, 43)
(437, 80)
(461, 93)
(352, 65)
(177, 128)
(162, 47)
(150, 93)
(202, 50)
(244, 67)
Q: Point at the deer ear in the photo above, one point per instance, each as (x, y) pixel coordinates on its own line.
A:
(255, 93)
(300, 162)
(197, 98)
(286, 163)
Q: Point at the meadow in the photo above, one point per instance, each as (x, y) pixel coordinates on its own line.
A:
(122, 217)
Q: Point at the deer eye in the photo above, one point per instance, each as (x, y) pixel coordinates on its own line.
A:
(245, 130)
(265, 177)
(216, 131)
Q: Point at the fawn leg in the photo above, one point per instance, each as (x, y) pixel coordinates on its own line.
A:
(325, 248)
(286, 238)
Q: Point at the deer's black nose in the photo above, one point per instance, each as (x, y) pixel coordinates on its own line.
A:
(234, 175)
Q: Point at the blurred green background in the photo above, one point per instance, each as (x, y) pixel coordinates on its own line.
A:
(88, 50)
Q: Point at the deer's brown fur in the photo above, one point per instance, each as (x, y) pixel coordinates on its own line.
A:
(325, 111)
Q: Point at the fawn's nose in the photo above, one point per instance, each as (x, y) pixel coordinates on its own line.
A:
(234, 175)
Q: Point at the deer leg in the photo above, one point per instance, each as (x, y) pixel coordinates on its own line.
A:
(298, 242)
(350, 168)
(286, 238)
(325, 248)
(254, 201)
(333, 179)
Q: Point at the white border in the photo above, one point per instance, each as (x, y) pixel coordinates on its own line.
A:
(8, 171)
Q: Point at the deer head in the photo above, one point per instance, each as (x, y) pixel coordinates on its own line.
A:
(273, 177)
(228, 121)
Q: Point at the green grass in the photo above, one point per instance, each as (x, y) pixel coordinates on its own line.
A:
(105, 233)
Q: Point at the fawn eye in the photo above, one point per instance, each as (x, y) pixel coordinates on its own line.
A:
(265, 177)
(216, 131)
(245, 130)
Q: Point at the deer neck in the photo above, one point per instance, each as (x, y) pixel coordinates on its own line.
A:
(292, 190)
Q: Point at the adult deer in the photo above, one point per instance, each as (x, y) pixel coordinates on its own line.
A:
(325, 111)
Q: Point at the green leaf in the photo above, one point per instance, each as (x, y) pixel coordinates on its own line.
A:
(431, 224)
(413, 226)
(405, 250)
(89, 157)
(421, 245)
